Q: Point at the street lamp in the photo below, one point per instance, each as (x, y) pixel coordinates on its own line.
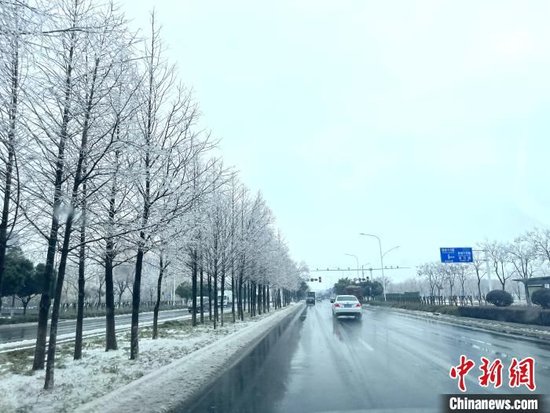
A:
(390, 250)
(356, 261)
(381, 257)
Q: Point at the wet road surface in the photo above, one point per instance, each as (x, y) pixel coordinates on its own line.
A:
(27, 331)
(386, 362)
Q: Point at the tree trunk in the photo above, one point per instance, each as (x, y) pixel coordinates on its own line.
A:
(215, 280)
(240, 293)
(248, 286)
(250, 298)
(81, 280)
(201, 292)
(479, 289)
(157, 303)
(194, 287)
(233, 293)
(222, 287)
(52, 345)
(209, 289)
(527, 295)
(247, 296)
(136, 297)
(5, 210)
(110, 329)
(45, 300)
(259, 298)
(120, 300)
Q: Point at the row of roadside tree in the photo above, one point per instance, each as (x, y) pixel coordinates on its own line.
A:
(103, 166)
(511, 265)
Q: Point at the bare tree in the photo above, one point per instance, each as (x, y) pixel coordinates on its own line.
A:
(449, 273)
(462, 276)
(166, 152)
(540, 238)
(13, 53)
(429, 272)
(499, 256)
(522, 253)
(55, 75)
(477, 266)
(122, 283)
(94, 127)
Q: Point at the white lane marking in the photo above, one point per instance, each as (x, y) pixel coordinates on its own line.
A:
(477, 341)
(364, 343)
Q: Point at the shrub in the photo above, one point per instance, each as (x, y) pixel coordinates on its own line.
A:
(541, 297)
(500, 298)
(516, 314)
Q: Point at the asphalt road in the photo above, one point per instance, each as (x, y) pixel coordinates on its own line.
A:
(386, 362)
(27, 331)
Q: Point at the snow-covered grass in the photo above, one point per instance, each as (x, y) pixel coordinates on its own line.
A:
(100, 372)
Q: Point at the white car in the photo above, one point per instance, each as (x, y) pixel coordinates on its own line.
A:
(347, 305)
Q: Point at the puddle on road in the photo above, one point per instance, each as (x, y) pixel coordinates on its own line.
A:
(259, 380)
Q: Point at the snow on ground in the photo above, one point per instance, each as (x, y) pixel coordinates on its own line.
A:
(503, 327)
(199, 349)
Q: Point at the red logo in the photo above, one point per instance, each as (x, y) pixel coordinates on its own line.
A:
(491, 373)
(461, 371)
(523, 373)
(520, 373)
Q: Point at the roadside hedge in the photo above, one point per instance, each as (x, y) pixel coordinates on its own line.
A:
(523, 315)
(541, 297)
(514, 314)
(499, 298)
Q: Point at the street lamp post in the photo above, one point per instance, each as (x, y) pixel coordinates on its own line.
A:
(381, 256)
(356, 262)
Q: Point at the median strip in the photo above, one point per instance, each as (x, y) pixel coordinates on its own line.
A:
(89, 380)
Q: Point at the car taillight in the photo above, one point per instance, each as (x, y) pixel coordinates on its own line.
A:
(357, 305)
(336, 305)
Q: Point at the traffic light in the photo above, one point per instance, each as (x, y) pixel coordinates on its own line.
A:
(319, 279)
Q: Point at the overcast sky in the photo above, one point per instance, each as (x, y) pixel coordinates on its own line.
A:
(424, 122)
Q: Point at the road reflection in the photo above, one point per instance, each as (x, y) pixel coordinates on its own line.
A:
(260, 380)
(346, 328)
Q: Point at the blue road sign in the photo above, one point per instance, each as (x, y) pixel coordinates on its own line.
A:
(456, 255)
